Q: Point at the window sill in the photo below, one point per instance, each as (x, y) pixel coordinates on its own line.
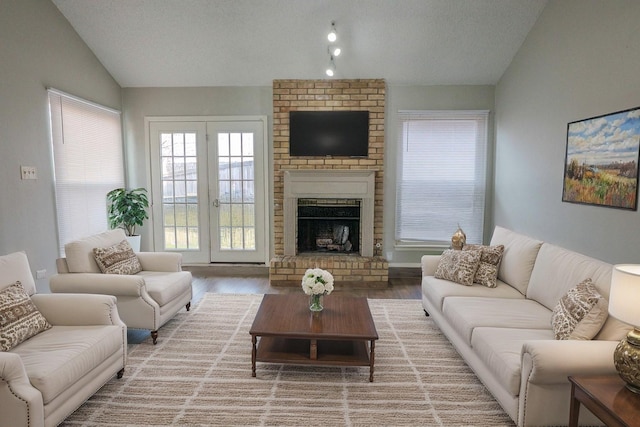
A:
(421, 246)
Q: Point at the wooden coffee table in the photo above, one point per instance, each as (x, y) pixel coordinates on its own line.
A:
(343, 334)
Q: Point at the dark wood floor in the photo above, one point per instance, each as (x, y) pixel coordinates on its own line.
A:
(398, 287)
(403, 284)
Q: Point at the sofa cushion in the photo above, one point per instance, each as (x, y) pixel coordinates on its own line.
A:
(436, 290)
(15, 267)
(518, 258)
(19, 317)
(464, 314)
(79, 253)
(458, 266)
(501, 350)
(117, 259)
(557, 270)
(487, 273)
(580, 313)
(59, 357)
(165, 287)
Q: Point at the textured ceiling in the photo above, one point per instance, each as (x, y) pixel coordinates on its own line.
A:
(165, 43)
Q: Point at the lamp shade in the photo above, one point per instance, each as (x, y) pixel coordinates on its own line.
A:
(624, 299)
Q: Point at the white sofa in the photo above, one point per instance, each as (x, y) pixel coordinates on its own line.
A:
(48, 376)
(505, 333)
(146, 300)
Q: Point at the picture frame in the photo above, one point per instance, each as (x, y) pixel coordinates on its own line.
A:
(601, 160)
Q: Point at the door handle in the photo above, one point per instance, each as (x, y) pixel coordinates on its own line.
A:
(216, 203)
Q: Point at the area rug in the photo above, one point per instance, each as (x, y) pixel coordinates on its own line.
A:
(199, 374)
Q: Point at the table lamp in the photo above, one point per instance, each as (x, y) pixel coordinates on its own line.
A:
(624, 305)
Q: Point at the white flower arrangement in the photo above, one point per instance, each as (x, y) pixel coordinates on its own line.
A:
(317, 281)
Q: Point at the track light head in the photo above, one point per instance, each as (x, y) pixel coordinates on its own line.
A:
(332, 36)
(335, 51)
(331, 69)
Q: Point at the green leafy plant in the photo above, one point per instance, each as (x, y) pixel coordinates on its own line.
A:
(127, 209)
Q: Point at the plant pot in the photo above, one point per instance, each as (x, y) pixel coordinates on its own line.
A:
(134, 241)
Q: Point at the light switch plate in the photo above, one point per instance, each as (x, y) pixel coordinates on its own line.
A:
(28, 172)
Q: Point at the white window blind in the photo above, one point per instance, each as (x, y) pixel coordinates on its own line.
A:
(442, 176)
(88, 163)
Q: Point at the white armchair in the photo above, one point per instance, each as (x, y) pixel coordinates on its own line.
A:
(146, 300)
(49, 375)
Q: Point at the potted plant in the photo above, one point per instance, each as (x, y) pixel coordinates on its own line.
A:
(128, 209)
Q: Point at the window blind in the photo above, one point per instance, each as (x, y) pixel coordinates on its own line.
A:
(88, 163)
(442, 175)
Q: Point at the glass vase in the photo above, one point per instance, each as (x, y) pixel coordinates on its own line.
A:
(315, 302)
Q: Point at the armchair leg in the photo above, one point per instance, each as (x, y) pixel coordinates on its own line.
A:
(120, 373)
(154, 336)
(426, 313)
(188, 306)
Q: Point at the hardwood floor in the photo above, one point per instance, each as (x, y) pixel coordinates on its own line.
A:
(403, 284)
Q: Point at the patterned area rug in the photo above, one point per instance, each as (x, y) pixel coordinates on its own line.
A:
(199, 373)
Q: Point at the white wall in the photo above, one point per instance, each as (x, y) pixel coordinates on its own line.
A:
(38, 49)
(426, 98)
(580, 60)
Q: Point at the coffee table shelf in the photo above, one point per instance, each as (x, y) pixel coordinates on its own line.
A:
(300, 351)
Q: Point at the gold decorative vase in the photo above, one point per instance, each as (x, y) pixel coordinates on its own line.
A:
(626, 357)
(458, 239)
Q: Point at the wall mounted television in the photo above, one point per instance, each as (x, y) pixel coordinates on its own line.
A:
(329, 133)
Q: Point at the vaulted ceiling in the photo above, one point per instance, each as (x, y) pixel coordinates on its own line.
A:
(173, 43)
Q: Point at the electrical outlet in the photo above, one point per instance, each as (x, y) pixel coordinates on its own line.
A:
(28, 172)
(41, 274)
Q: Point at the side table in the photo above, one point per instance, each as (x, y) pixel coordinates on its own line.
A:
(607, 398)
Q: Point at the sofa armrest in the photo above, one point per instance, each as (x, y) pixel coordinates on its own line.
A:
(78, 309)
(160, 261)
(97, 283)
(552, 361)
(429, 264)
(21, 403)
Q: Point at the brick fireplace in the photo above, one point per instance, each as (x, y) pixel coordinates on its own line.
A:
(326, 180)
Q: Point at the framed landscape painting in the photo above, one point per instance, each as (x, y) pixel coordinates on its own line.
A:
(601, 163)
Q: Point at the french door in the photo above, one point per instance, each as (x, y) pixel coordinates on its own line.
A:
(209, 188)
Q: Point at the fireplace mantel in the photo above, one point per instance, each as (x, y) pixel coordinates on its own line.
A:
(329, 183)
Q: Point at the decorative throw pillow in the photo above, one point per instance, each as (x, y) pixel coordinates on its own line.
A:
(19, 317)
(487, 274)
(580, 313)
(458, 266)
(117, 259)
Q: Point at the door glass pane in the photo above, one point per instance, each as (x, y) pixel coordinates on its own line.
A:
(250, 237)
(225, 238)
(180, 203)
(236, 211)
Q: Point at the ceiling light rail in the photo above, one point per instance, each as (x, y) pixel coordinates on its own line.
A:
(333, 50)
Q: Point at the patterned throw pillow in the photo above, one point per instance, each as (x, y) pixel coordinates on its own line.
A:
(19, 317)
(117, 259)
(580, 313)
(487, 274)
(458, 266)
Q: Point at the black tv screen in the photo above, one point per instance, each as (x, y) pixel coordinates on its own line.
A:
(329, 133)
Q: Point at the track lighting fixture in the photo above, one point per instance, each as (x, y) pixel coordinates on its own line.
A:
(332, 36)
(331, 69)
(333, 50)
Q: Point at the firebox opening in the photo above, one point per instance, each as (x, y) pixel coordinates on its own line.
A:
(328, 225)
